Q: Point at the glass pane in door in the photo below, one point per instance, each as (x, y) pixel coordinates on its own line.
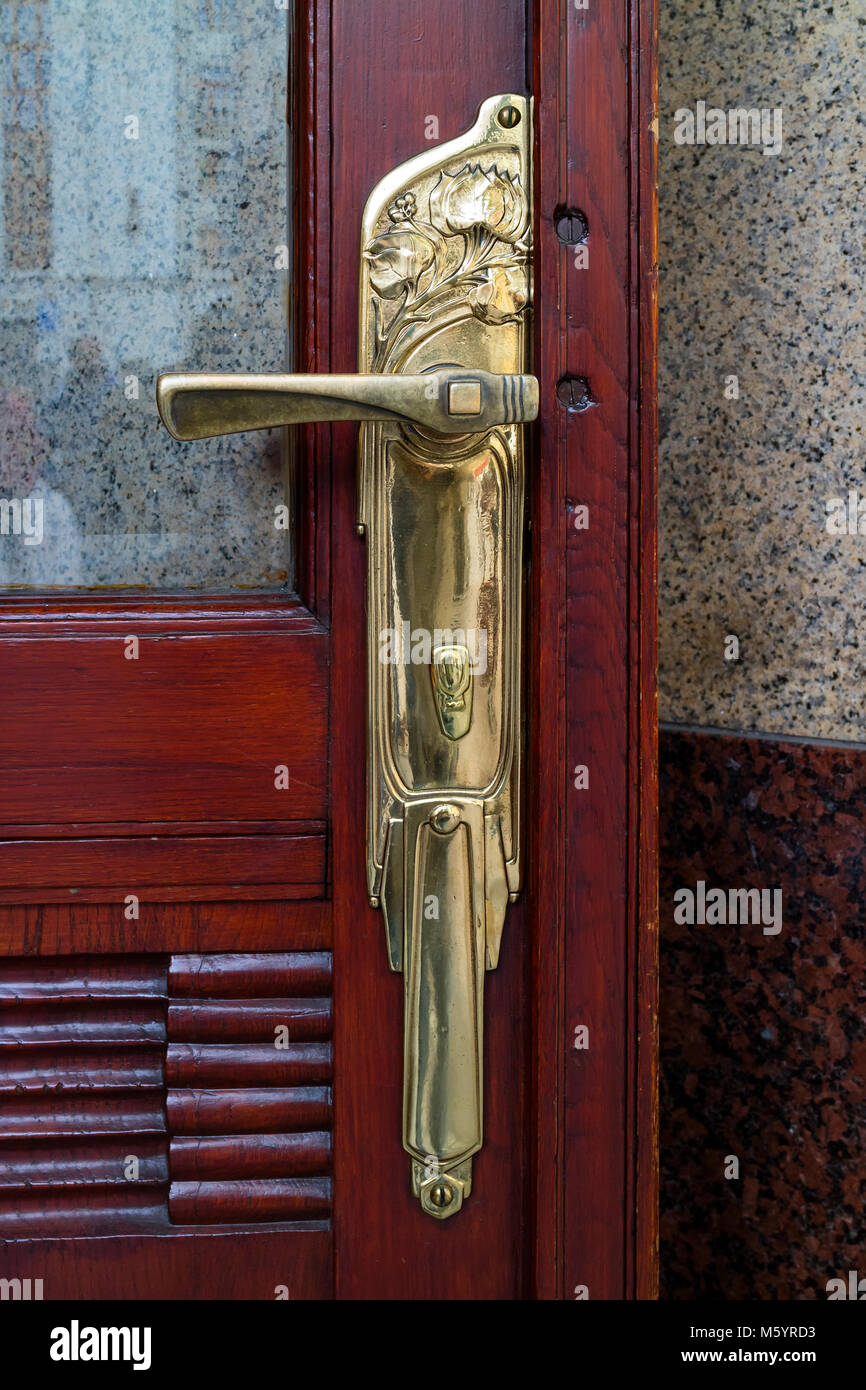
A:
(143, 228)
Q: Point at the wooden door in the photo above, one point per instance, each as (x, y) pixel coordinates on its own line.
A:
(201, 1053)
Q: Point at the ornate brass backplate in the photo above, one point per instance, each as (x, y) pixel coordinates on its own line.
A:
(445, 284)
(445, 292)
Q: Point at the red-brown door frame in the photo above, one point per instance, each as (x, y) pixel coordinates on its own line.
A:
(569, 1198)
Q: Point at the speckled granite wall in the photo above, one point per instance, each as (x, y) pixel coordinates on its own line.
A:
(763, 1036)
(763, 263)
(762, 273)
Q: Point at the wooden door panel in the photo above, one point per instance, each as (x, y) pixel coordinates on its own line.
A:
(419, 62)
(191, 730)
(167, 868)
(63, 929)
(157, 1138)
(254, 1264)
(140, 1093)
(573, 1208)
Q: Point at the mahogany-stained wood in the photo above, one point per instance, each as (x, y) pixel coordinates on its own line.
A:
(81, 1094)
(238, 1020)
(164, 869)
(57, 981)
(571, 1208)
(418, 61)
(251, 1109)
(245, 1115)
(63, 928)
(53, 1117)
(251, 1155)
(192, 729)
(250, 975)
(205, 1203)
(593, 656)
(253, 1063)
(110, 1124)
(185, 1263)
(99, 1161)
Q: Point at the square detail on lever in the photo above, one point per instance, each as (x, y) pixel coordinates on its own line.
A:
(464, 398)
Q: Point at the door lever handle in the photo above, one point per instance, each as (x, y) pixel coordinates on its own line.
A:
(445, 293)
(197, 405)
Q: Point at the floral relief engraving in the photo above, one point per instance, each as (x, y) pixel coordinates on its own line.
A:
(467, 255)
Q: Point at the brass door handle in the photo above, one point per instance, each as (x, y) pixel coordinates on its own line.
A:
(445, 288)
(197, 405)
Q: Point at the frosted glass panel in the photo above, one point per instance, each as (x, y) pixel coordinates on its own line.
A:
(142, 228)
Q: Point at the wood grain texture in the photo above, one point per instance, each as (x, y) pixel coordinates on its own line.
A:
(96, 613)
(161, 869)
(82, 1078)
(247, 1020)
(61, 929)
(74, 830)
(310, 93)
(250, 1156)
(248, 1115)
(89, 1084)
(389, 67)
(80, 1211)
(208, 1203)
(594, 657)
(547, 684)
(75, 1070)
(57, 1117)
(645, 636)
(97, 1162)
(251, 1110)
(250, 975)
(64, 1025)
(191, 730)
(253, 1064)
(81, 978)
(179, 1264)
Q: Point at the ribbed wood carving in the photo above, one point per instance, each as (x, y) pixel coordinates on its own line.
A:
(248, 1067)
(138, 1092)
(83, 1145)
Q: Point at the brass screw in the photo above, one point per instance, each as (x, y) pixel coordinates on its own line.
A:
(442, 1194)
(509, 117)
(445, 818)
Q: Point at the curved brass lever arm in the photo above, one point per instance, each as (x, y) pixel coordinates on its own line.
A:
(196, 405)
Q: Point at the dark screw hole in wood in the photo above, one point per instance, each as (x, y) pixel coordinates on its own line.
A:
(575, 393)
(571, 224)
